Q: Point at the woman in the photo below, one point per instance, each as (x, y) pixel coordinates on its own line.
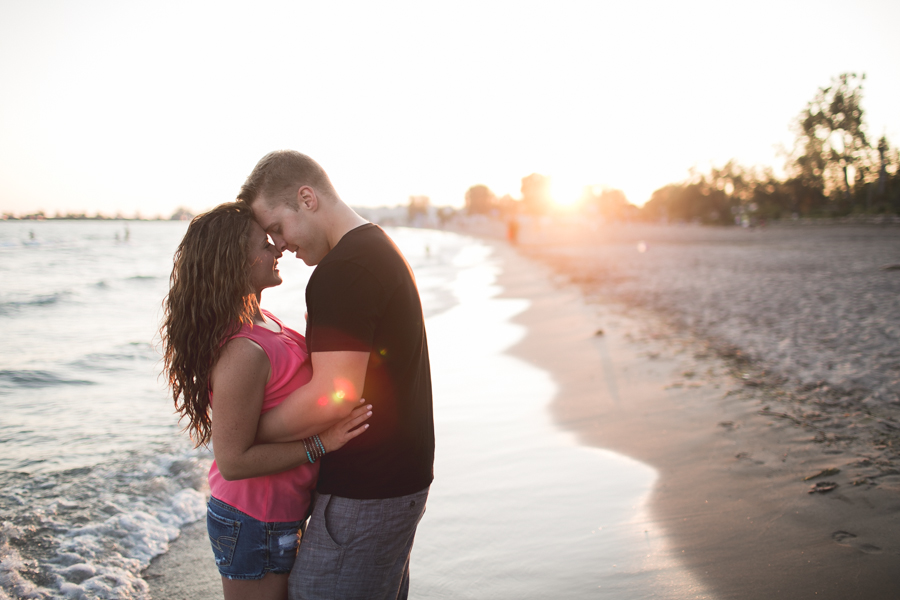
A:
(219, 343)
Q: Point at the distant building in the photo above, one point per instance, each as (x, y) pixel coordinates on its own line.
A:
(181, 214)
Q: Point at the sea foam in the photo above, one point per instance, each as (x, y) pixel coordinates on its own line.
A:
(90, 532)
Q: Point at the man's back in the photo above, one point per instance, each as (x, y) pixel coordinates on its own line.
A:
(362, 297)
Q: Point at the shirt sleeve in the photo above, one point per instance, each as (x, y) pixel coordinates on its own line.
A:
(344, 301)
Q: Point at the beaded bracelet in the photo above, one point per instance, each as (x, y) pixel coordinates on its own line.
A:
(314, 447)
(309, 457)
(320, 444)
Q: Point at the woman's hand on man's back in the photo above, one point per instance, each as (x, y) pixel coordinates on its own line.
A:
(348, 428)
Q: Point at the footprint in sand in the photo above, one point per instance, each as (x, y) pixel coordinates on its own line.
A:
(845, 538)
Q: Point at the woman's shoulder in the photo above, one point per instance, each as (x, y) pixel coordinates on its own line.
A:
(242, 349)
(246, 330)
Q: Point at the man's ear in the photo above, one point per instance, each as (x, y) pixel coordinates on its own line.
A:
(306, 198)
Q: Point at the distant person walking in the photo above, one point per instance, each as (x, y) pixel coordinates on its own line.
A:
(366, 337)
(512, 230)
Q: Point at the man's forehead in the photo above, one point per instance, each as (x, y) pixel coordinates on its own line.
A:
(265, 216)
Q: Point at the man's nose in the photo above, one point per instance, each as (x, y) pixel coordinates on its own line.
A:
(280, 244)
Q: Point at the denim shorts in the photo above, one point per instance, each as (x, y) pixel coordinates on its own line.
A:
(246, 548)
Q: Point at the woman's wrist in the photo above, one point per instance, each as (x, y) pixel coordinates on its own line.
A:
(314, 447)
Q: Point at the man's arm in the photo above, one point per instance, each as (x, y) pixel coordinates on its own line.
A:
(334, 391)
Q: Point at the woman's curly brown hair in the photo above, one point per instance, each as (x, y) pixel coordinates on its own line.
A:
(209, 299)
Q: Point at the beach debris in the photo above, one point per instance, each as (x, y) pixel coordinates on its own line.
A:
(599, 332)
(888, 425)
(842, 536)
(767, 412)
(823, 473)
(845, 538)
(822, 487)
(726, 424)
(894, 267)
(748, 380)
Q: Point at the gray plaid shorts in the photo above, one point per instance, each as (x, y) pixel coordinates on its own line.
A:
(357, 549)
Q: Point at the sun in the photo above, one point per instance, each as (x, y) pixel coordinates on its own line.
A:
(565, 192)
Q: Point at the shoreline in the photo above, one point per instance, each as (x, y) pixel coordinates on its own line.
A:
(734, 474)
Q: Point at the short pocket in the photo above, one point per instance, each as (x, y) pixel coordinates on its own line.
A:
(397, 532)
(339, 516)
(223, 536)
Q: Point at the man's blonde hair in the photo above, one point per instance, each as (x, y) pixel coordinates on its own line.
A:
(278, 176)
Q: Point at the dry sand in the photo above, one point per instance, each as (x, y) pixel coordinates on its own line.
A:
(692, 375)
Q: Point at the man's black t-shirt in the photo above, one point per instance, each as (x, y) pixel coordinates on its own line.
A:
(363, 297)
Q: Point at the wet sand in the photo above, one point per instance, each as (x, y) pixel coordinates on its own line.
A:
(737, 444)
(187, 571)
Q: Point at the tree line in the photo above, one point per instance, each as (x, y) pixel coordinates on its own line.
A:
(834, 170)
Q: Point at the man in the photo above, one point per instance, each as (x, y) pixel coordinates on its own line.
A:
(366, 338)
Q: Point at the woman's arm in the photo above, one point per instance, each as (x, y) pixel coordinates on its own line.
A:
(238, 381)
(333, 392)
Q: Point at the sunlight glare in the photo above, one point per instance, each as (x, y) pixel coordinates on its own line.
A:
(566, 191)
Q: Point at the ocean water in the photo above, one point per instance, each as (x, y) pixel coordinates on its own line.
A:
(96, 477)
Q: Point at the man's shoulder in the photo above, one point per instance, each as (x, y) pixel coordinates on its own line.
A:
(368, 246)
(368, 236)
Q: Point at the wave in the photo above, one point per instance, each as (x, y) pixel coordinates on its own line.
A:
(42, 300)
(90, 532)
(104, 284)
(36, 379)
(121, 357)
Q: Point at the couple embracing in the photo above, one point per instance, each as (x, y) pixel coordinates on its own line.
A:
(336, 426)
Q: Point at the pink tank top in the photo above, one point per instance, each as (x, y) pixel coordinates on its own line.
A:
(283, 496)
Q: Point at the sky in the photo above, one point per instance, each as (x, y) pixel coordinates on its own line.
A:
(118, 107)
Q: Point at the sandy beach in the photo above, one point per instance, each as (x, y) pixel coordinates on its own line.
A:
(775, 480)
(739, 442)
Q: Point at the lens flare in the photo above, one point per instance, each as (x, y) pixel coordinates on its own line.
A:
(343, 390)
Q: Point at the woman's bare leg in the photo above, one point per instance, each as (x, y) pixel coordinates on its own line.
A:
(271, 587)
